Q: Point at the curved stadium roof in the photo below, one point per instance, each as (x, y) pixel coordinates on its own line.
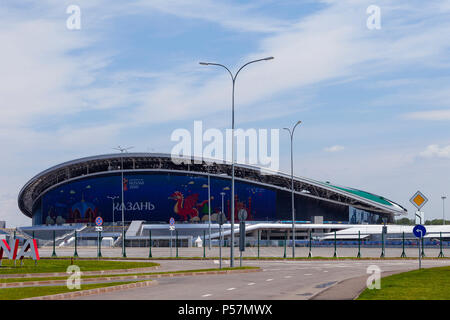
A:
(156, 162)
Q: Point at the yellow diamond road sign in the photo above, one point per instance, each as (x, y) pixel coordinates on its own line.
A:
(418, 200)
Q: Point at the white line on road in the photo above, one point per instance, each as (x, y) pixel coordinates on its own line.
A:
(269, 279)
(229, 289)
(251, 283)
(207, 295)
(308, 274)
(287, 277)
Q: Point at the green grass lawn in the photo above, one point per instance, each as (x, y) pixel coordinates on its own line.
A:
(424, 284)
(28, 292)
(60, 265)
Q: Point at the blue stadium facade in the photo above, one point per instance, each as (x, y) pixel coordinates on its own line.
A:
(155, 189)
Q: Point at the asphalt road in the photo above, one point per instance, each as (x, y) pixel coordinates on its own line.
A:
(278, 280)
(249, 252)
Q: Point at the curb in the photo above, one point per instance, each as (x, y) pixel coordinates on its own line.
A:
(326, 289)
(122, 278)
(358, 291)
(82, 293)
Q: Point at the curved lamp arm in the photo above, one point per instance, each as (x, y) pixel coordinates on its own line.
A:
(233, 77)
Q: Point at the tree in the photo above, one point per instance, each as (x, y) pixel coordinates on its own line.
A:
(404, 221)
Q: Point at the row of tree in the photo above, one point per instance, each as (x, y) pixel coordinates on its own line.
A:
(411, 222)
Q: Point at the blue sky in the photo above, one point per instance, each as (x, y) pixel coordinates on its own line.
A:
(374, 103)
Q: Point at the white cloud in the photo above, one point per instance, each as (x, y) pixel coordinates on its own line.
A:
(435, 151)
(332, 44)
(394, 172)
(335, 148)
(230, 15)
(434, 115)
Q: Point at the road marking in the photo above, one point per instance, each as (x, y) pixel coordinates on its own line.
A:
(207, 295)
(308, 274)
(287, 277)
(325, 271)
(251, 283)
(229, 289)
(269, 279)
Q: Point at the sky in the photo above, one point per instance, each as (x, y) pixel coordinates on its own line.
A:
(374, 103)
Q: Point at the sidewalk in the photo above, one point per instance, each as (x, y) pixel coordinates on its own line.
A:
(349, 289)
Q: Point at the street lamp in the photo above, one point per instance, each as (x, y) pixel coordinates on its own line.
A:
(122, 150)
(233, 79)
(113, 198)
(291, 133)
(443, 209)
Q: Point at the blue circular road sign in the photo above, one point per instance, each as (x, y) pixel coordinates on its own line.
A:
(98, 221)
(172, 221)
(419, 231)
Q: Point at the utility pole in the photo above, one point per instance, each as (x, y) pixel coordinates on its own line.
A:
(233, 80)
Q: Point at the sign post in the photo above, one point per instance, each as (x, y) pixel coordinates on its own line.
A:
(403, 255)
(171, 228)
(54, 244)
(221, 219)
(75, 254)
(441, 253)
(176, 242)
(259, 237)
(419, 200)
(99, 229)
(150, 243)
(419, 231)
(383, 239)
(310, 244)
(242, 215)
(335, 248)
(204, 247)
(359, 244)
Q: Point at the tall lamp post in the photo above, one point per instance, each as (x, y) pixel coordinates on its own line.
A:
(113, 198)
(233, 79)
(291, 133)
(443, 209)
(209, 210)
(122, 150)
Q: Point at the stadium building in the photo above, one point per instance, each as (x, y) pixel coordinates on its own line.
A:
(155, 188)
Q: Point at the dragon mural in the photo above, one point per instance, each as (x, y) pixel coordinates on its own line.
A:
(186, 207)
